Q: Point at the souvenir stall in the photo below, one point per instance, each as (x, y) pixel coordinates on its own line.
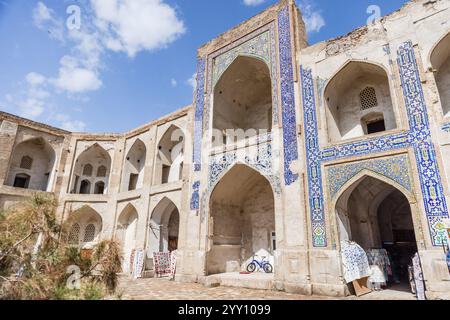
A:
(374, 270)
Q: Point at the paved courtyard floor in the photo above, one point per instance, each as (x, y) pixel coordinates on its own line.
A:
(163, 289)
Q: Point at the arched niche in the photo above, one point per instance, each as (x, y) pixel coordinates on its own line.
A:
(126, 233)
(376, 213)
(133, 172)
(85, 227)
(440, 60)
(164, 227)
(242, 101)
(353, 93)
(242, 220)
(32, 165)
(92, 166)
(170, 157)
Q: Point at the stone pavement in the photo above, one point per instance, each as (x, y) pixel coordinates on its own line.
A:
(163, 289)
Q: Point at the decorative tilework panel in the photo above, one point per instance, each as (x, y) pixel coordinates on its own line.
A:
(287, 96)
(395, 168)
(313, 159)
(429, 175)
(195, 198)
(258, 47)
(419, 137)
(446, 127)
(260, 44)
(199, 107)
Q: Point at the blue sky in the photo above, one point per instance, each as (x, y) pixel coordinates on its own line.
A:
(127, 62)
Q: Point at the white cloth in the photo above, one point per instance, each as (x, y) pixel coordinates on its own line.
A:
(379, 262)
(354, 261)
(418, 278)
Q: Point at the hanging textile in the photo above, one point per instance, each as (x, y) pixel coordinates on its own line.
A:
(379, 266)
(448, 260)
(173, 264)
(131, 261)
(162, 263)
(138, 264)
(418, 278)
(354, 261)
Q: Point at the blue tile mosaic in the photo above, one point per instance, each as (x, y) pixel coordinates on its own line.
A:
(195, 198)
(395, 168)
(419, 137)
(287, 96)
(199, 108)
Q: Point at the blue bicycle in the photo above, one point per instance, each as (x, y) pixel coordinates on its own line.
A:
(263, 264)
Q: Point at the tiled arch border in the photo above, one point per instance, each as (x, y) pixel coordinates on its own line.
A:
(418, 138)
(286, 104)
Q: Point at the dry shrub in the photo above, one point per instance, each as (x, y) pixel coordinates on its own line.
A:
(30, 274)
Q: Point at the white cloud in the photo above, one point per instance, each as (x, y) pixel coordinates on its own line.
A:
(253, 2)
(312, 17)
(129, 26)
(66, 123)
(44, 18)
(173, 83)
(75, 79)
(132, 26)
(192, 81)
(35, 79)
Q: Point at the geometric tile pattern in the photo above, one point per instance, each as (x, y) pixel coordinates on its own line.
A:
(395, 168)
(258, 47)
(287, 96)
(259, 44)
(199, 107)
(418, 137)
(429, 175)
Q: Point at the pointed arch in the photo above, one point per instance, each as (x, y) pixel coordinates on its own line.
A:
(88, 223)
(243, 99)
(440, 61)
(241, 220)
(97, 160)
(35, 158)
(170, 156)
(126, 233)
(133, 172)
(356, 89)
(352, 183)
(163, 228)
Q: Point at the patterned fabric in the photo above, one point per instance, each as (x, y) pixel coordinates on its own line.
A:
(418, 278)
(162, 264)
(173, 264)
(138, 264)
(131, 261)
(379, 266)
(354, 261)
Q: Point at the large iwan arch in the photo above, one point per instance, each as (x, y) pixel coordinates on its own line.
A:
(241, 220)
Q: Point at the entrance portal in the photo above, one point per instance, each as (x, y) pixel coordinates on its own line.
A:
(376, 215)
(242, 221)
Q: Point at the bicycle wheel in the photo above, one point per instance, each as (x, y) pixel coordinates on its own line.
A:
(251, 267)
(268, 268)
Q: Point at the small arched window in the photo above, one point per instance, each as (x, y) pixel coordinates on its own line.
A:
(26, 162)
(368, 98)
(99, 187)
(85, 187)
(74, 235)
(89, 233)
(87, 170)
(101, 171)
